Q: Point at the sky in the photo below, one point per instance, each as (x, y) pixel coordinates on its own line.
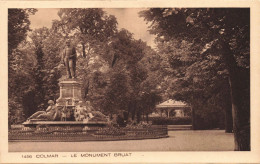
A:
(126, 18)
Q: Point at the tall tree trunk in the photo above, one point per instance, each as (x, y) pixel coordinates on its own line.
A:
(133, 114)
(83, 50)
(132, 109)
(228, 120)
(239, 85)
(241, 117)
(147, 118)
(228, 110)
(138, 116)
(193, 117)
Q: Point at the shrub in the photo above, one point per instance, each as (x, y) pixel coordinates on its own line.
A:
(171, 121)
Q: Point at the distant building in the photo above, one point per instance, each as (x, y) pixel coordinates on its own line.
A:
(172, 108)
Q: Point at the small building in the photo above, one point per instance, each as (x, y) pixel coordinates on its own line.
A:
(173, 108)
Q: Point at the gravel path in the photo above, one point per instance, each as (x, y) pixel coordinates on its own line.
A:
(186, 140)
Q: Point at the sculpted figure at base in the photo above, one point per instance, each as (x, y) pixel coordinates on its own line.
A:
(68, 58)
(50, 114)
(81, 112)
(86, 112)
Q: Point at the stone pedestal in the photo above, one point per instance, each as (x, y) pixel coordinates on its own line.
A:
(70, 93)
(69, 111)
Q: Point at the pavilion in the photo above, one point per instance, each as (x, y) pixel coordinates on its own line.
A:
(172, 105)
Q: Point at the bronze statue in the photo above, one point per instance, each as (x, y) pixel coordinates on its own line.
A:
(68, 58)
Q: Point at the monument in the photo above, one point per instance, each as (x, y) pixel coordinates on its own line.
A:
(69, 108)
(72, 119)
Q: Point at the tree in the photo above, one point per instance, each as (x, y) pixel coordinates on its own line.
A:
(127, 53)
(126, 72)
(91, 31)
(51, 44)
(148, 101)
(91, 28)
(18, 26)
(18, 77)
(185, 77)
(150, 92)
(117, 95)
(38, 60)
(215, 33)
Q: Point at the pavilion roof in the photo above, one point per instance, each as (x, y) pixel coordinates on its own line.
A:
(171, 104)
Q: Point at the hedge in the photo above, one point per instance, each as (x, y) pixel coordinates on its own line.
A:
(171, 121)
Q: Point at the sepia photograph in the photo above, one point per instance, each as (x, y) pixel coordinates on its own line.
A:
(103, 82)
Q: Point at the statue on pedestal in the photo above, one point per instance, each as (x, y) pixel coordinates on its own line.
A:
(69, 106)
(68, 58)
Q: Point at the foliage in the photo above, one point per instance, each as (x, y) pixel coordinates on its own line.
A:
(36, 61)
(110, 66)
(19, 79)
(211, 55)
(44, 74)
(91, 28)
(18, 26)
(127, 77)
(117, 94)
(91, 34)
(118, 72)
(110, 131)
